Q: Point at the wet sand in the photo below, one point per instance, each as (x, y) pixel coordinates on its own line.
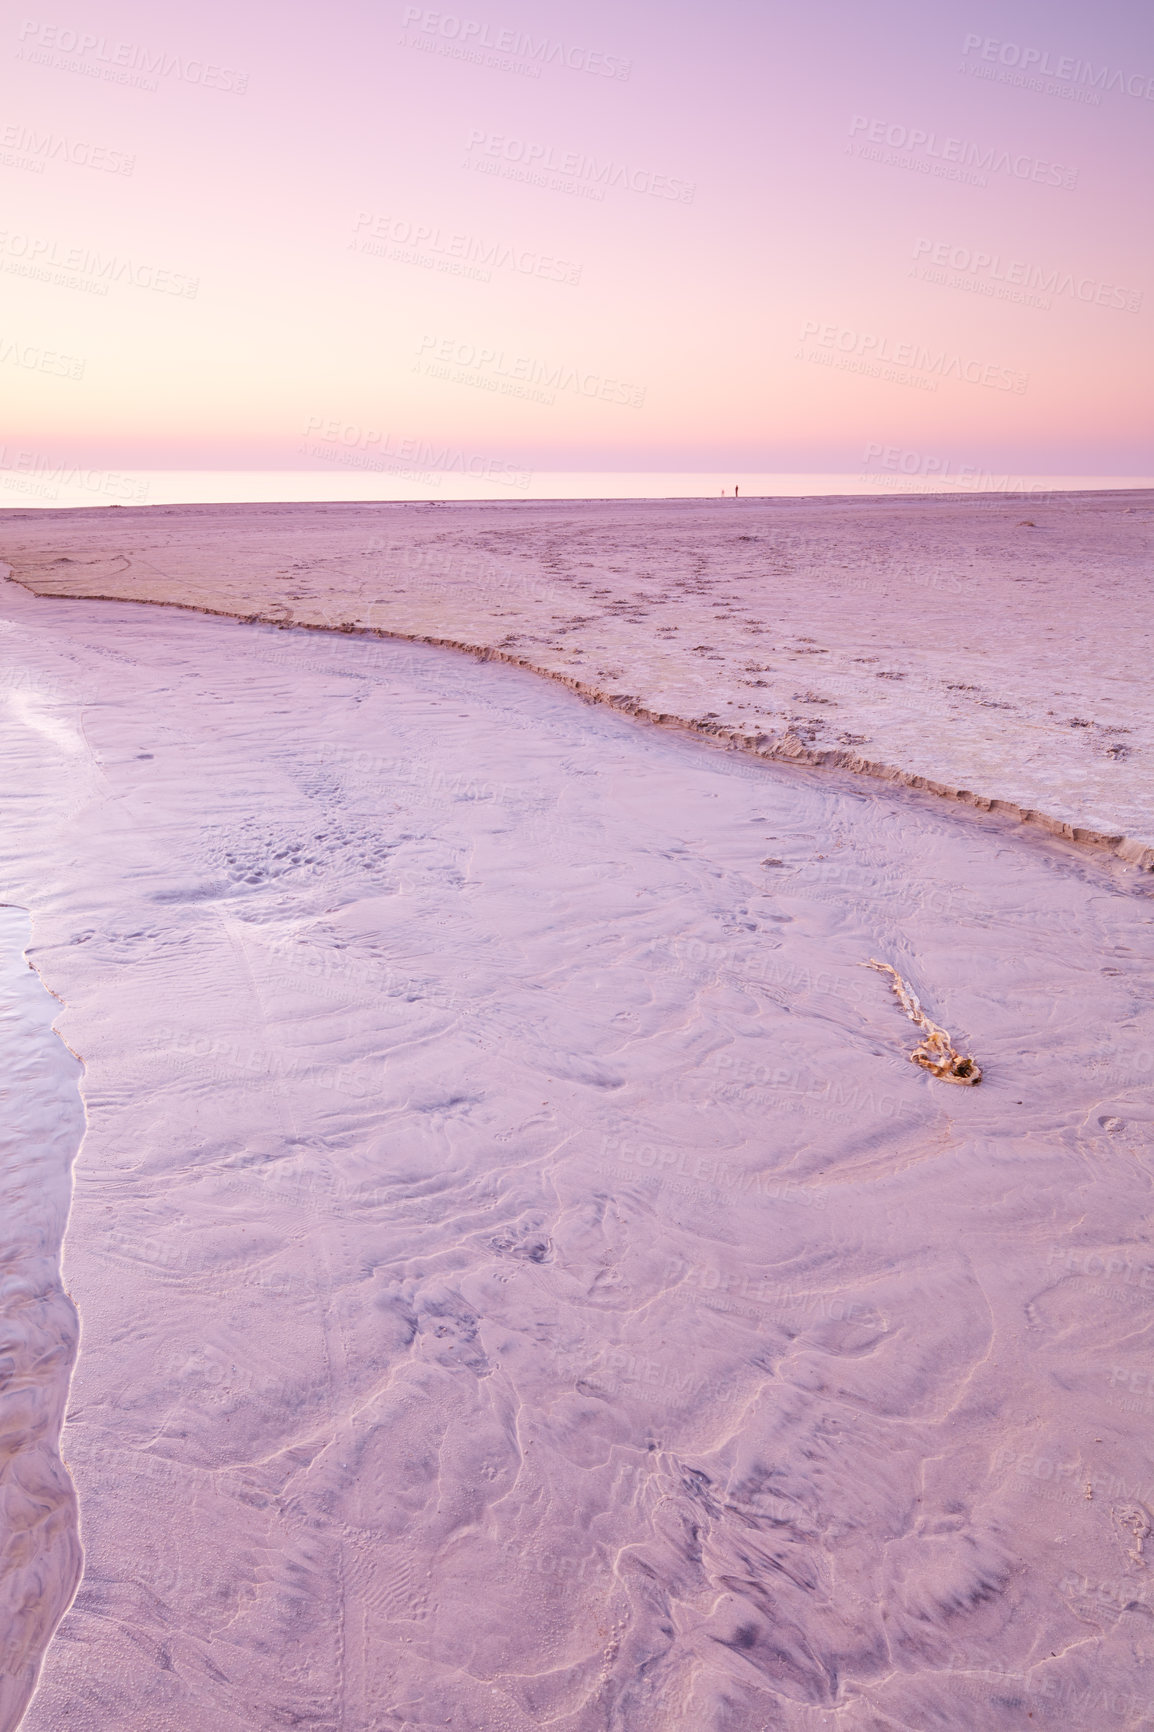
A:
(995, 650)
(522, 1278)
(41, 1123)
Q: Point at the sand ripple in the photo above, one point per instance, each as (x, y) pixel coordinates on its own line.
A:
(523, 1279)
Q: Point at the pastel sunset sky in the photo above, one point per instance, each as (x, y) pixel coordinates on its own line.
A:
(594, 236)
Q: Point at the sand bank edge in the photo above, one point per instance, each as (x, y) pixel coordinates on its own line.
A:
(769, 748)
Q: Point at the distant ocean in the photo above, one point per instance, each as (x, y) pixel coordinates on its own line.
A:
(32, 481)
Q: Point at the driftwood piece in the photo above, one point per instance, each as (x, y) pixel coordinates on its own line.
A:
(935, 1051)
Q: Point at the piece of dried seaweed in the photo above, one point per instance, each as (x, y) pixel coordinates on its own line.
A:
(935, 1052)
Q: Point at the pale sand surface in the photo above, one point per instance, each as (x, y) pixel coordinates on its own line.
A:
(522, 1280)
(994, 648)
(41, 1123)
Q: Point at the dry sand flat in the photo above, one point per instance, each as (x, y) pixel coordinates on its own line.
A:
(991, 648)
(522, 1279)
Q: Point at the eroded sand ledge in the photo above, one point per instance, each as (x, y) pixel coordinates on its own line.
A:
(992, 651)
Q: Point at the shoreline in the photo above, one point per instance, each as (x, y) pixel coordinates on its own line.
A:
(790, 748)
(42, 1126)
(936, 642)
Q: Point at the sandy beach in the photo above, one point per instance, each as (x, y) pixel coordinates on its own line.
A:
(994, 650)
(521, 1278)
(577, 870)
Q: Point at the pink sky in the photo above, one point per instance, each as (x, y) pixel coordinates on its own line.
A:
(767, 238)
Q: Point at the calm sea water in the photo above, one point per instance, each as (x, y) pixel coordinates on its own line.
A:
(26, 479)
